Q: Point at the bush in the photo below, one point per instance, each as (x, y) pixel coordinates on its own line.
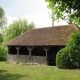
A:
(64, 60)
(69, 57)
(3, 55)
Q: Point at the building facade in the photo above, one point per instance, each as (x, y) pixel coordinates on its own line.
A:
(40, 45)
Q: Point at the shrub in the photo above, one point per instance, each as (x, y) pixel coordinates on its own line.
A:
(69, 57)
(62, 59)
(3, 55)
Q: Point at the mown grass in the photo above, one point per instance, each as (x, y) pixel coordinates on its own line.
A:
(22, 72)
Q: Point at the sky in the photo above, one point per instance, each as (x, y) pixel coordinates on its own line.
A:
(32, 10)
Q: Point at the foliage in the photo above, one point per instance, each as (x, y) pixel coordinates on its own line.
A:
(69, 57)
(74, 45)
(16, 28)
(62, 59)
(1, 38)
(68, 10)
(10, 32)
(3, 53)
(2, 18)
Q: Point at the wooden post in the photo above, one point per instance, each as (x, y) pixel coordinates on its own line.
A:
(46, 48)
(17, 53)
(8, 49)
(30, 50)
(8, 52)
(46, 52)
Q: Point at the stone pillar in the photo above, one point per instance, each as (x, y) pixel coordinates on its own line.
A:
(17, 53)
(30, 50)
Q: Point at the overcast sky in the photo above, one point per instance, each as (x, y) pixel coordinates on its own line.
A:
(32, 10)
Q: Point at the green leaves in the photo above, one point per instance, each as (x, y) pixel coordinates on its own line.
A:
(1, 38)
(16, 28)
(3, 55)
(2, 18)
(66, 10)
(69, 57)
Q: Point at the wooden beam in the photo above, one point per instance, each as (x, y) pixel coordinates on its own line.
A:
(8, 47)
(18, 47)
(46, 48)
(30, 48)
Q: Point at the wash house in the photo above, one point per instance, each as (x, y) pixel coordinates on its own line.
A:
(39, 45)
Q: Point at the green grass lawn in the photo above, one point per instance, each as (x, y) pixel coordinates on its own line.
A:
(22, 72)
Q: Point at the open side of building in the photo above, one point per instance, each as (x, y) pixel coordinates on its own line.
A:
(40, 45)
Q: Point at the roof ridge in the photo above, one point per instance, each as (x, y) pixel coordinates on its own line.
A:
(55, 26)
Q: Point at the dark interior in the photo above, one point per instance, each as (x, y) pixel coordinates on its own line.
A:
(12, 50)
(23, 51)
(51, 55)
(38, 51)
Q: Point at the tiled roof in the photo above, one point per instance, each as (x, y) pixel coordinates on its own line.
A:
(57, 35)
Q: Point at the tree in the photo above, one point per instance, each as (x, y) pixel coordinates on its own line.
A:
(16, 28)
(69, 57)
(1, 38)
(68, 10)
(2, 18)
(3, 51)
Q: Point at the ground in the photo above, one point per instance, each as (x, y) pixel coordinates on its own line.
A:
(17, 71)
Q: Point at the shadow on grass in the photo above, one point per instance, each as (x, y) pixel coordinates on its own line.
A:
(4, 75)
